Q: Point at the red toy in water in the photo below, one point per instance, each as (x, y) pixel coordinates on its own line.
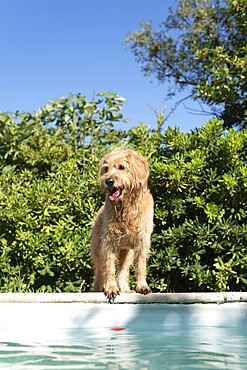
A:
(117, 328)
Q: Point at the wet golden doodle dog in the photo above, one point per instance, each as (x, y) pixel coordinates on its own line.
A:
(122, 228)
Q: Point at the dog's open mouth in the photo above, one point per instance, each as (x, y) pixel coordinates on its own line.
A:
(115, 193)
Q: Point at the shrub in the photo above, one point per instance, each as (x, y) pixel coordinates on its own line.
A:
(49, 191)
(49, 196)
(199, 182)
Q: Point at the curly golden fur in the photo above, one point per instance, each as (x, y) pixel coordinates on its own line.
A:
(122, 228)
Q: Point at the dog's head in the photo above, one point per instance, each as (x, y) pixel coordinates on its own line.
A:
(123, 173)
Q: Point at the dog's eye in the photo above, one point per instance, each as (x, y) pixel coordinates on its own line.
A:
(105, 169)
(121, 167)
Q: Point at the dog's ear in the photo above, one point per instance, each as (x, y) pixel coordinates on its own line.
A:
(139, 168)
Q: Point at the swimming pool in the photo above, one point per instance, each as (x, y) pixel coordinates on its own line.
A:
(157, 332)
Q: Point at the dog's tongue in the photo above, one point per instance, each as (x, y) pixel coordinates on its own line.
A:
(114, 195)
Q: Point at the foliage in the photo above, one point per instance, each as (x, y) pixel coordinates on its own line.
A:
(199, 183)
(49, 191)
(201, 46)
(49, 196)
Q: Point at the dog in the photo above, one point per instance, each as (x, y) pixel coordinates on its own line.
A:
(122, 227)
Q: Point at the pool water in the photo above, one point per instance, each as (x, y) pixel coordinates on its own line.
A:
(48, 336)
(194, 347)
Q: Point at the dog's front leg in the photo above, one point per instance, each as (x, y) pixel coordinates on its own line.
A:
(111, 288)
(141, 263)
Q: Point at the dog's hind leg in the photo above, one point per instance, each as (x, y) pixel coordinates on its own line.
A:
(95, 251)
(99, 276)
(125, 261)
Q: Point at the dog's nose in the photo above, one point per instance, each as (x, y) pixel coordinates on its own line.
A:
(109, 182)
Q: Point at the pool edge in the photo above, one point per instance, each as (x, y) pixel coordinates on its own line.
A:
(126, 298)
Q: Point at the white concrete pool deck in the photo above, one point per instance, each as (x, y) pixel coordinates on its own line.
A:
(126, 298)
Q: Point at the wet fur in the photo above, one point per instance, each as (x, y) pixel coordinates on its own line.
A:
(122, 228)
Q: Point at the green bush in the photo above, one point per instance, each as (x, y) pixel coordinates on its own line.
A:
(199, 182)
(49, 196)
(49, 191)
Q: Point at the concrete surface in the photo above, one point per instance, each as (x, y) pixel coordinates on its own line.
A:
(126, 298)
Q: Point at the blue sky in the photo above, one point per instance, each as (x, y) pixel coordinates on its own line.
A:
(52, 48)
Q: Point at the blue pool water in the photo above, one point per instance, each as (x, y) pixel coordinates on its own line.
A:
(47, 336)
(198, 348)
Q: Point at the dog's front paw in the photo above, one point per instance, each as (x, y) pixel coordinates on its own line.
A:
(111, 292)
(143, 289)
